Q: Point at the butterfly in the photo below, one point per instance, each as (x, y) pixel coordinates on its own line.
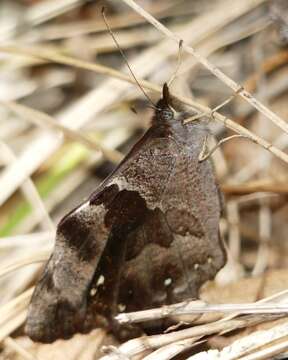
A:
(148, 236)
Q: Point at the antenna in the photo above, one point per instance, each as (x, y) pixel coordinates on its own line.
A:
(179, 60)
(125, 58)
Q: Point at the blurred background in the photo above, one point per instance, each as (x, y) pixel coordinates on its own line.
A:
(60, 103)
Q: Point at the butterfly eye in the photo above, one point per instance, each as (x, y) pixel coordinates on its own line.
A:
(167, 114)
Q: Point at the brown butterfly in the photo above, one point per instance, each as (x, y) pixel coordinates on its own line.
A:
(147, 236)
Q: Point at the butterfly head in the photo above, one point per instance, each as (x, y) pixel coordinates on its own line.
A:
(164, 112)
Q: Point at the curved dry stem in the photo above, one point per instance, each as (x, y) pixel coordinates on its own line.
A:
(39, 118)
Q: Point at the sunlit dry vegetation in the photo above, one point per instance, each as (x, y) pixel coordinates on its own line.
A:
(65, 103)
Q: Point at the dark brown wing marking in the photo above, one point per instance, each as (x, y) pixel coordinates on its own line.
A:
(195, 253)
(125, 243)
(58, 306)
(170, 243)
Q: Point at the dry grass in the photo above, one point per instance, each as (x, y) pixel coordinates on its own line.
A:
(65, 99)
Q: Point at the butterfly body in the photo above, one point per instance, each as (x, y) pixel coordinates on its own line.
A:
(147, 236)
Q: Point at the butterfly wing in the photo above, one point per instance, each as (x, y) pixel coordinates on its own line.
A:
(183, 248)
(174, 247)
(59, 304)
(177, 247)
(147, 236)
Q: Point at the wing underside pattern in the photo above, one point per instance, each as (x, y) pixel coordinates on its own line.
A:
(133, 245)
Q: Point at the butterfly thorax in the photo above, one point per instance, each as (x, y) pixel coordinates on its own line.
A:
(169, 124)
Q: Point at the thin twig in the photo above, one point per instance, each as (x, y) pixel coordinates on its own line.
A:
(255, 186)
(233, 218)
(190, 307)
(31, 259)
(30, 191)
(12, 324)
(241, 348)
(265, 232)
(26, 240)
(268, 353)
(137, 346)
(195, 307)
(38, 14)
(40, 118)
(11, 343)
(170, 351)
(19, 301)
